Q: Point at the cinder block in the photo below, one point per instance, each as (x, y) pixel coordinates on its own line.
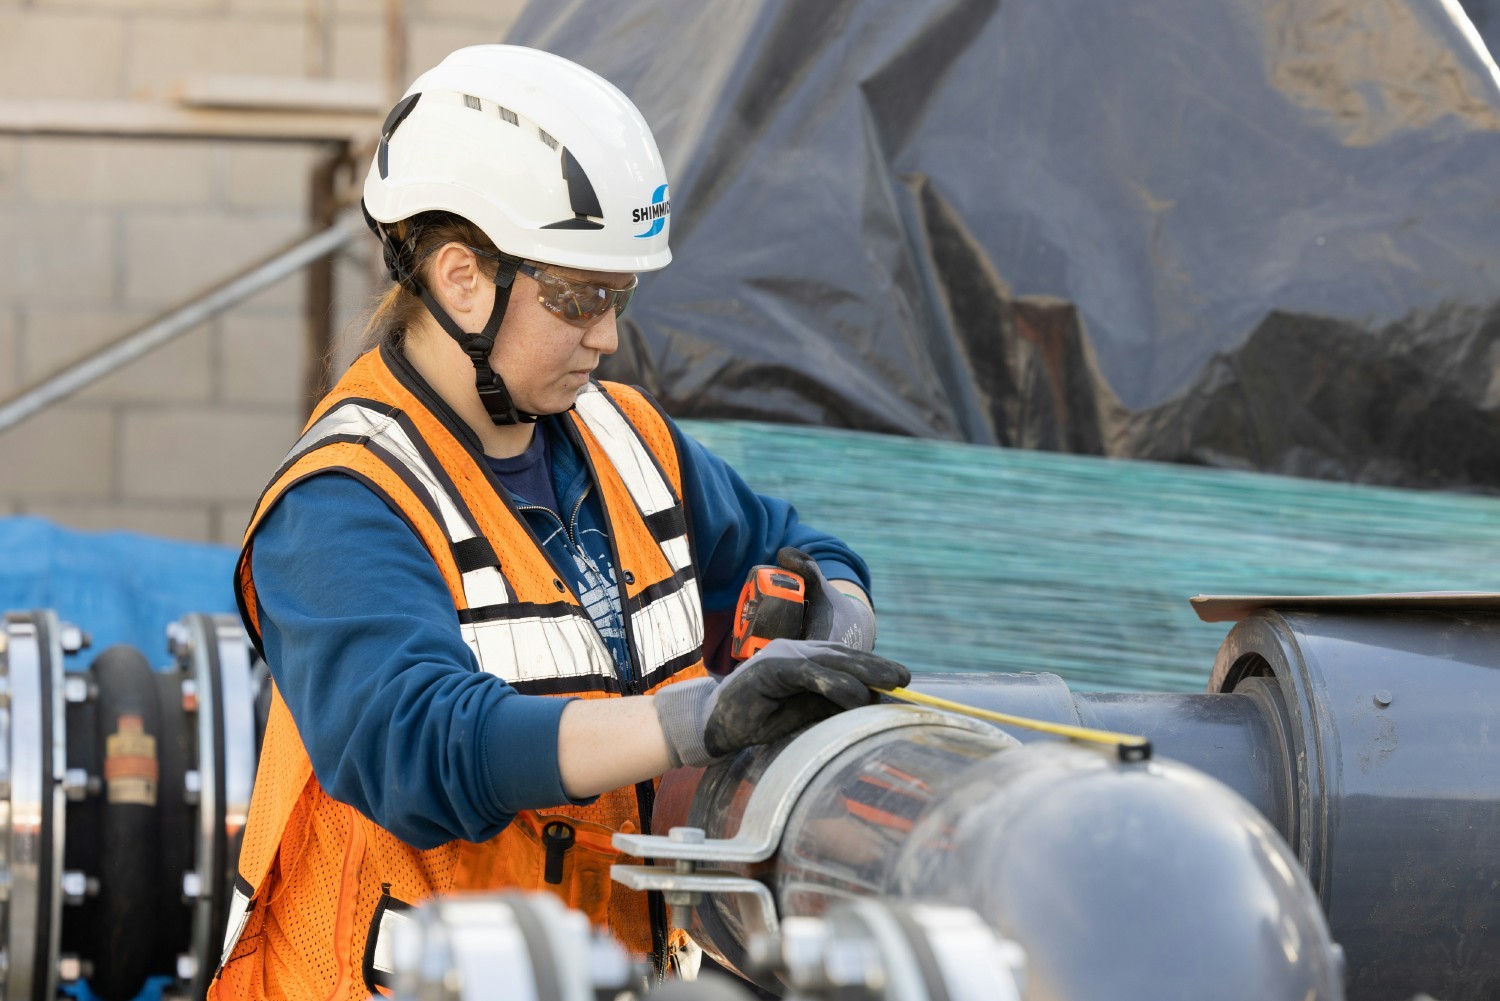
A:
(174, 521)
(10, 168)
(64, 451)
(297, 8)
(359, 51)
(262, 359)
(230, 521)
(430, 41)
(165, 50)
(10, 352)
(495, 15)
(119, 171)
(169, 256)
(60, 54)
(271, 175)
(203, 453)
(56, 254)
(128, 6)
(179, 371)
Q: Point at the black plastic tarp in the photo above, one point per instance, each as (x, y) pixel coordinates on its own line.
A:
(1262, 235)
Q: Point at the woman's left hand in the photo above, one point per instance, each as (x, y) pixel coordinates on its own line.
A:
(831, 614)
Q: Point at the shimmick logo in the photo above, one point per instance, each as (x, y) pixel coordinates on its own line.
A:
(657, 212)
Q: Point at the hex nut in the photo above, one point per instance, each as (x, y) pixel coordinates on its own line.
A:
(74, 886)
(71, 638)
(76, 689)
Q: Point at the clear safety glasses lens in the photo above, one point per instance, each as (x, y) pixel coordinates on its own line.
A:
(579, 303)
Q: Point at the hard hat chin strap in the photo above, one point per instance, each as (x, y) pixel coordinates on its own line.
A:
(491, 388)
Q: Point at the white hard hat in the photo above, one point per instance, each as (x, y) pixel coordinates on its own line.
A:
(549, 159)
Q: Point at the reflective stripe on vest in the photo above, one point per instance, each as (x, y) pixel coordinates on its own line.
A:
(239, 913)
(482, 586)
(670, 626)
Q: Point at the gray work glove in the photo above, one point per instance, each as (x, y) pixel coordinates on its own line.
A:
(788, 685)
(830, 614)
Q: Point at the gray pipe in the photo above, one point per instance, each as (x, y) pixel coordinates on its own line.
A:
(180, 320)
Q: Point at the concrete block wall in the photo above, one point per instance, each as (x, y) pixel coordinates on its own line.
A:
(100, 235)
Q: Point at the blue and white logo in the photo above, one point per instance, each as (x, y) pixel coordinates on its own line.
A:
(657, 212)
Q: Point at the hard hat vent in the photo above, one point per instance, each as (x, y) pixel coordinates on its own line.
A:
(546, 138)
(508, 115)
(472, 102)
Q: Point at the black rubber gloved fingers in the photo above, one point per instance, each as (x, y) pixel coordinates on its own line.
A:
(790, 684)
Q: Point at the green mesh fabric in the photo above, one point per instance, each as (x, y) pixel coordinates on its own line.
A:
(990, 559)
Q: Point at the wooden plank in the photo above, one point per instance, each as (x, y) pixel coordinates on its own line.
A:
(149, 120)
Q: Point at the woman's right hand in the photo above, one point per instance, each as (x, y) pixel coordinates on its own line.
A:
(788, 685)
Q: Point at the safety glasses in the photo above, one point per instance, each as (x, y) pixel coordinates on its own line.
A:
(580, 303)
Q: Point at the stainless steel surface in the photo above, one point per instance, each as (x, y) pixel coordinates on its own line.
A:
(238, 704)
(51, 631)
(521, 947)
(23, 667)
(198, 642)
(33, 852)
(649, 877)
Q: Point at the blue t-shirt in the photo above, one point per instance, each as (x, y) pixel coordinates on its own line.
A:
(361, 636)
(528, 476)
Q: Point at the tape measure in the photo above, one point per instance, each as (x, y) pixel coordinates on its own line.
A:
(772, 606)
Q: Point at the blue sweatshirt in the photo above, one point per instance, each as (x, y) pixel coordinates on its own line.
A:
(361, 636)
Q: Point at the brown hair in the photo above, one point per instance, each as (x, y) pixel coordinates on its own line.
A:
(399, 307)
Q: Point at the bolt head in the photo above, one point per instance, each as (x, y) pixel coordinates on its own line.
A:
(192, 785)
(187, 966)
(179, 640)
(76, 784)
(74, 886)
(76, 689)
(192, 886)
(1382, 698)
(687, 835)
(71, 638)
(71, 968)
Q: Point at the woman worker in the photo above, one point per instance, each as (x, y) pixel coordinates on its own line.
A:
(470, 527)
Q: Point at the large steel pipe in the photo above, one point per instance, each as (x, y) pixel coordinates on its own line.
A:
(1116, 879)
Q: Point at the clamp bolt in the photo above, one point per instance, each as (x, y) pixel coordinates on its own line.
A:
(71, 969)
(179, 640)
(72, 639)
(76, 689)
(1382, 698)
(77, 784)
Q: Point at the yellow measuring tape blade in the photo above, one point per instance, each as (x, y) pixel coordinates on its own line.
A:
(1132, 746)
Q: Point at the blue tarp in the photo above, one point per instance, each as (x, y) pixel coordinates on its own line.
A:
(119, 587)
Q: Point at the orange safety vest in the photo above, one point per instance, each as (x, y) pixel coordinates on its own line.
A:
(320, 885)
